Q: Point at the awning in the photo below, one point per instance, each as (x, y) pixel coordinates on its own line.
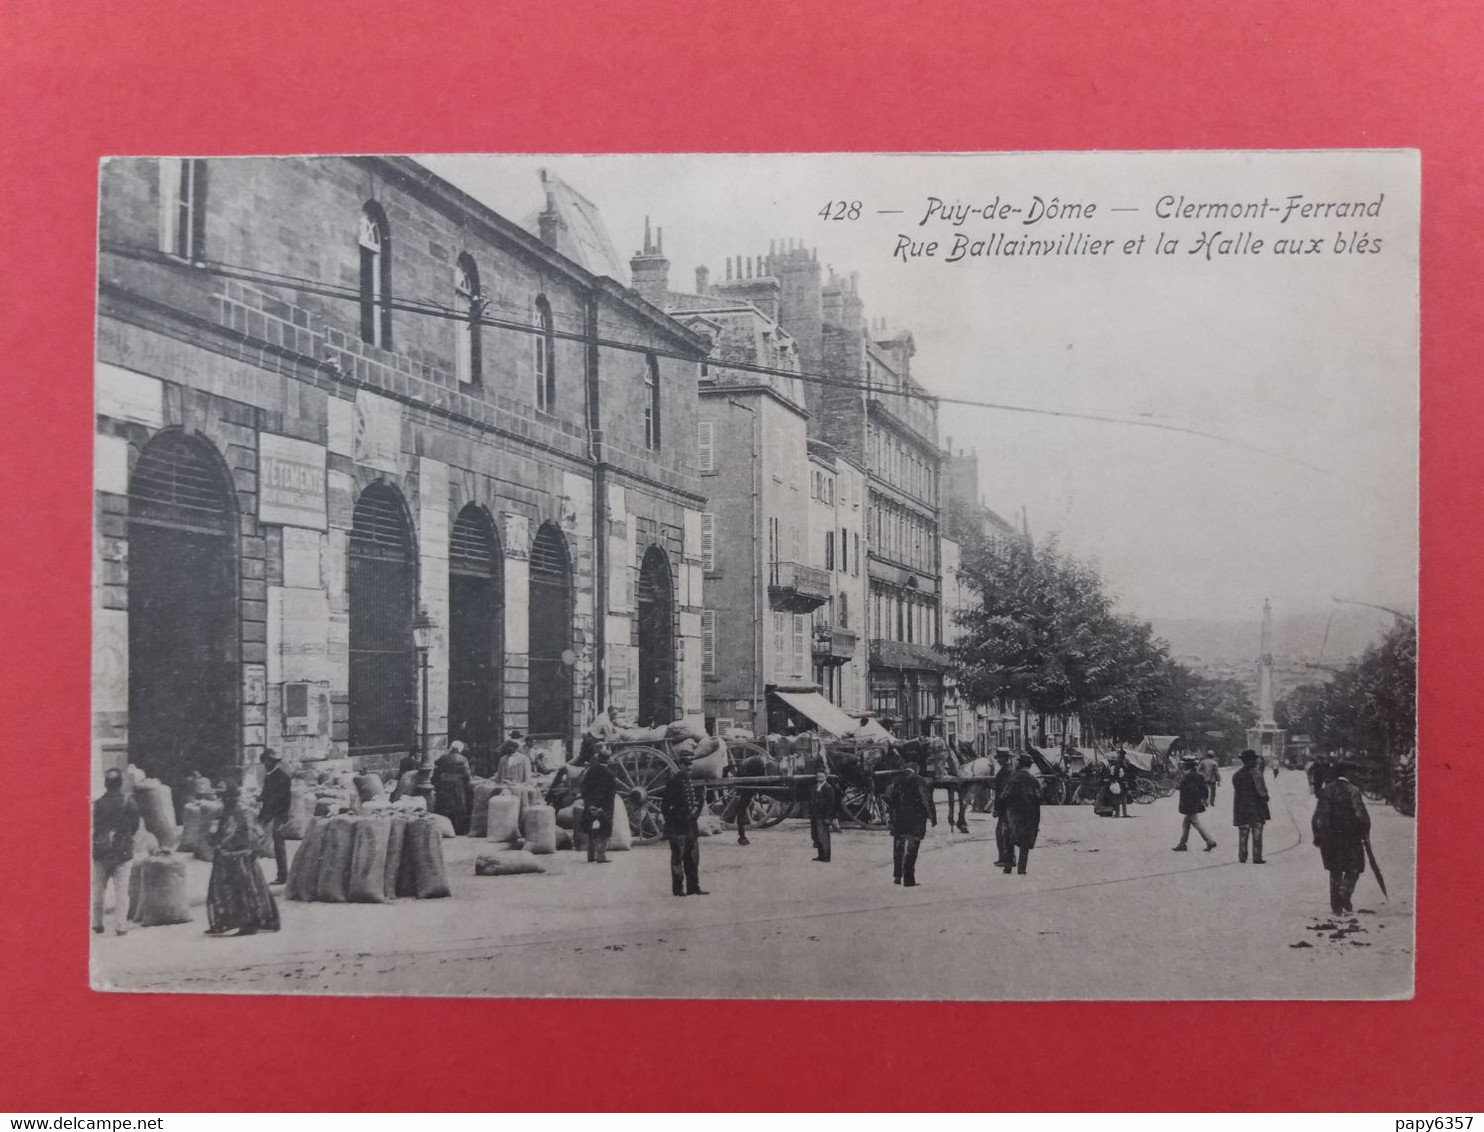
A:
(823, 714)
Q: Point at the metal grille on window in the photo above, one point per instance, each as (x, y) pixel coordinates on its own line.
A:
(176, 485)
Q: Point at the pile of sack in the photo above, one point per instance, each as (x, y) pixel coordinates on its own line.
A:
(157, 889)
(372, 858)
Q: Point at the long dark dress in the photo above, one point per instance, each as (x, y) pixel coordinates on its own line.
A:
(237, 896)
(452, 789)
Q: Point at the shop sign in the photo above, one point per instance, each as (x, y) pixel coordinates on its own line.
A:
(291, 482)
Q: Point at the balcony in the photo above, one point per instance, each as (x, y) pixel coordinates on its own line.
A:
(796, 588)
(902, 655)
(833, 645)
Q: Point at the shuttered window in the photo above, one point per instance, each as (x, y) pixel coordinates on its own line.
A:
(706, 445)
(708, 540)
(708, 642)
(801, 642)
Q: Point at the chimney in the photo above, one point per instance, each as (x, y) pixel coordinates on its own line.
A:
(550, 224)
(649, 270)
(703, 279)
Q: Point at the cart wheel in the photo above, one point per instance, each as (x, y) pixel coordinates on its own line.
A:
(1142, 791)
(642, 773)
(1052, 791)
(862, 807)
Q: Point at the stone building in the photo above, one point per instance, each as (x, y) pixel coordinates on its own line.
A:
(837, 505)
(333, 392)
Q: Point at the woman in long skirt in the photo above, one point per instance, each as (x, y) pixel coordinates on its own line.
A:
(237, 895)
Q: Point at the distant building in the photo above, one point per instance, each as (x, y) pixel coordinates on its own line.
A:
(837, 494)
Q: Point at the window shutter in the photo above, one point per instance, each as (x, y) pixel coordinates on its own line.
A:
(706, 444)
(801, 643)
(197, 250)
(708, 540)
(708, 642)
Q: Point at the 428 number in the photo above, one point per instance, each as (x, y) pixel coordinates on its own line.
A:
(841, 210)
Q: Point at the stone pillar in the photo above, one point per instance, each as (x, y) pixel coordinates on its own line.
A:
(432, 574)
(516, 542)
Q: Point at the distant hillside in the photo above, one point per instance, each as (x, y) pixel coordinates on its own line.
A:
(1297, 636)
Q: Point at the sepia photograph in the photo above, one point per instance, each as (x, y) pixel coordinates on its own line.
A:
(952, 577)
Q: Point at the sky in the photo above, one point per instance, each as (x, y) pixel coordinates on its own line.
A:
(1304, 366)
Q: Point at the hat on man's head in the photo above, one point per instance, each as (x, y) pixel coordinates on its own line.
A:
(1249, 756)
(1025, 760)
(1002, 752)
(269, 755)
(113, 777)
(603, 753)
(517, 734)
(1187, 760)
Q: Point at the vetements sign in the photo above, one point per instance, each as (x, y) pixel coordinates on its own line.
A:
(291, 482)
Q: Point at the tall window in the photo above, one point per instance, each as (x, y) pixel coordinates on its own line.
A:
(708, 645)
(651, 402)
(844, 611)
(467, 355)
(545, 357)
(183, 207)
(829, 550)
(376, 278)
(706, 445)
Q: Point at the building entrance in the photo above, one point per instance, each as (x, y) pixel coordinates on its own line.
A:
(656, 639)
(476, 622)
(550, 637)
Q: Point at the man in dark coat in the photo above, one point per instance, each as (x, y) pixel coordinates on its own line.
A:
(115, 821)
(1249, 808)
(1001, 824)
(453, 789)
(273, 811)
(1319, 773)
(1193, 790)
(911, 809)
(599, 788)
(1022, 812)
(821, 814)
(680, 805)
(1341, 827)
(1121, 776)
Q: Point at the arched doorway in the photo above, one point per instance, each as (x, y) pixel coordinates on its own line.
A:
(550, 636)
(476, 622)
(656, 639)
(183, 637)
(382, 590)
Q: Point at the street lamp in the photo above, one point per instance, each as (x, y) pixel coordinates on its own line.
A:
(423, 630)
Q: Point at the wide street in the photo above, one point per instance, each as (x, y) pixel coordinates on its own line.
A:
(1106, 911)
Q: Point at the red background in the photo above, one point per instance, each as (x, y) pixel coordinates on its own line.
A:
(83, 80)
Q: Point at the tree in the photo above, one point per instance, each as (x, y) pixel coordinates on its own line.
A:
(1370, 705)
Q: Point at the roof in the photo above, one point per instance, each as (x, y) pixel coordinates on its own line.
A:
(586, 238)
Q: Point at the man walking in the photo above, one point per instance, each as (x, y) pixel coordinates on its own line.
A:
(911, 808)
(680, 805)
(273, 810)
(1022, 813)
(115, 821)
(1249, 808)
(1120, 778)
(1341, 827)
(1006, 859)
(1193, 793)
(1211, 772)
(599, 788)
(821, 815)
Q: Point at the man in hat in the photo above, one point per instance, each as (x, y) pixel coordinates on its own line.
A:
(680, 806)
(1022, 814)
(1341, 827)
(1001, 825)
(1249, 807)
(273, 810)
(821, 814)
(115, 821)
(1192, 804)
(910, 804)
(599, 789)
(1211, 772)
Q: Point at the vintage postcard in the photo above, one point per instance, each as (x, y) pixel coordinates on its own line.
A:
(877, 576)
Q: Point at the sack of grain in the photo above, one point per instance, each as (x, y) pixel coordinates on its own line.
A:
(540, 829)
(304, 871)
(205, 847)
(331, 882)
(425, 848)
(621, 840)
(301, 811)
(368, 861)
(484, 790)
(445, 826)
(162, 890)
(190, 827)
(395, 836)
(368, 786)
(502, 818)
(506, 865)
(158, 811)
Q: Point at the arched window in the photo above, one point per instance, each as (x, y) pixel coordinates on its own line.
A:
(468, 360)
(656, 610)
(651, 402)
(545, 357)
(382, 588)
(183, 660)
(550, 635)
(376, 277)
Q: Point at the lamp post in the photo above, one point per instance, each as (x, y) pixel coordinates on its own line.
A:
(423, 630)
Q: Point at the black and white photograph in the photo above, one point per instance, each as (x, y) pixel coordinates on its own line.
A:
(953, 577)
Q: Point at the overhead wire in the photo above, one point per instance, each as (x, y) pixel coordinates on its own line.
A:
(432, 308)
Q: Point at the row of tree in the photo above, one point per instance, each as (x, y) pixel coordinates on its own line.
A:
(1369, 706)
(1043, 632)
